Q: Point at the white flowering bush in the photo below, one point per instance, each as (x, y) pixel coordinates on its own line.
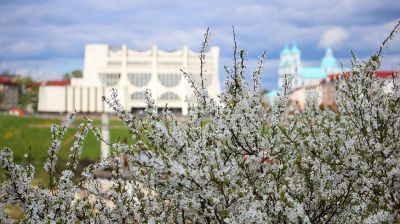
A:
(231, 162)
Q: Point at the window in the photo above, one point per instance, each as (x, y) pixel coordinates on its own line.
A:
(169, 80)
(169, 96)
(138, 96)
(114, 51)
(139, 79)
(110, 79)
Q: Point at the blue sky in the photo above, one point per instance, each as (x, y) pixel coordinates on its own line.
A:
(46, 38)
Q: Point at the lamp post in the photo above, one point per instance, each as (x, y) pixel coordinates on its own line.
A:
(105, 130)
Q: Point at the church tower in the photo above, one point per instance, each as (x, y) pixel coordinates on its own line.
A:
(290, 64)
(329, 63)
(284, 65)
(295, 57)
(296, 66)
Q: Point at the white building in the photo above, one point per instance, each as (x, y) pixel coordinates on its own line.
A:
(131, 73)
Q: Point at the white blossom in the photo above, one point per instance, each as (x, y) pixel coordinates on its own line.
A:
(231, 162)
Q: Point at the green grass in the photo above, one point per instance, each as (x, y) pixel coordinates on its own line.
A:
(22, 133)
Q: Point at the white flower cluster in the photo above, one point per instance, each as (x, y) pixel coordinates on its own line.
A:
(232, 162)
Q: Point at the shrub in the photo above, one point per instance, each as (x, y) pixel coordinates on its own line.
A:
(232, 162)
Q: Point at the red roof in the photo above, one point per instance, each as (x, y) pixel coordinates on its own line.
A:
(6, 81)
(386, 74)
(16, 111)
(52, 83)
(378, 74)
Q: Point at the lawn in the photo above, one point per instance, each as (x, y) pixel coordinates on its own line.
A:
(22, 133)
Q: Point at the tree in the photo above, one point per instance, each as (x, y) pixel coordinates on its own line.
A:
(25, 94)
(231, 162)
(22, 82)
(77, 73)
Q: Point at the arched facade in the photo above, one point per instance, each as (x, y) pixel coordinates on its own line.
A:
(131, 72)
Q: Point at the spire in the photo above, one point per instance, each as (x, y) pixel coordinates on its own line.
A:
(294, 48)
(329, 61)
(285, 50)
(329, 52)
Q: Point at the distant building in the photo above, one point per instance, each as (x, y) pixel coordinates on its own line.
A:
(290, 63)
(328, 85)
(303, 77)
(8, 93)
(131, 72)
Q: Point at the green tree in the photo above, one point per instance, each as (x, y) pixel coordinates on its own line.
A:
(77, 73)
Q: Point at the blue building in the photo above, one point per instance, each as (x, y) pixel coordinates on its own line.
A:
(303, 77)
(290, 63)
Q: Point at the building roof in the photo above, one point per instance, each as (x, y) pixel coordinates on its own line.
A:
(6, 81)
(386, 74)
(295, 49)
(329, 61)
(312, 73)
(378, 74)
(271, 94)
(285, 50)
(52, 83)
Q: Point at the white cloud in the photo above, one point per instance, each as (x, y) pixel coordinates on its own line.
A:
(333, 37)
(60, 29)
(24, 48)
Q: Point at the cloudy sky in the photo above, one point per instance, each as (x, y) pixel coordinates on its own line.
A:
(46, 38)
